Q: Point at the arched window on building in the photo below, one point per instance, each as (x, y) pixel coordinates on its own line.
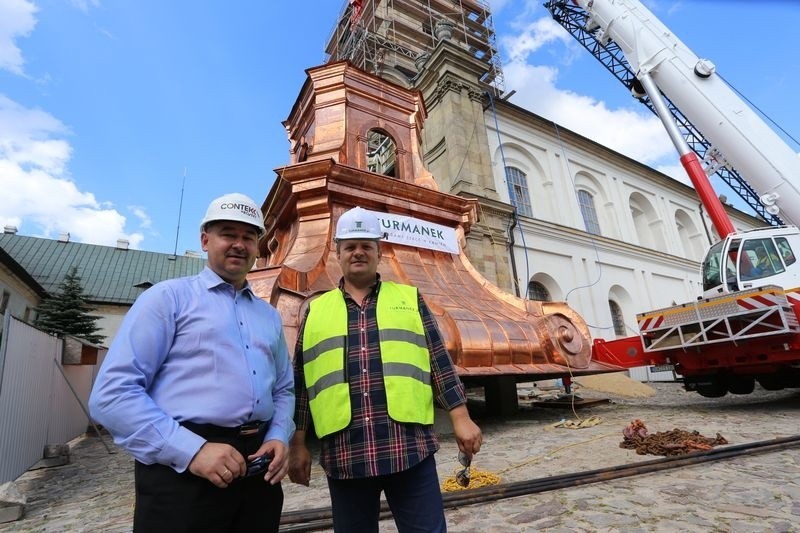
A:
(691, 238)
(586, 201)
(538, 292)
(617, 319)
(381, 153)
(647, 223)
(518, 191)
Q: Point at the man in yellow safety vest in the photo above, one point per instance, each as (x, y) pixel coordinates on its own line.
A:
(369, 363)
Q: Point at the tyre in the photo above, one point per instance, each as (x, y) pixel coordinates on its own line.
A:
(714, 388)
(771, 382)
(741, 384)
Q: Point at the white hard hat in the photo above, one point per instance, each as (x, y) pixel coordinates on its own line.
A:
(237, 207)
(358, 223)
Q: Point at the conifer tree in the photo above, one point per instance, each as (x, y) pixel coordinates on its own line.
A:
(67, 313)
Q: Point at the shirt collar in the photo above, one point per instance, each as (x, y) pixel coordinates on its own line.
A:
(212, 280)
(374, 287)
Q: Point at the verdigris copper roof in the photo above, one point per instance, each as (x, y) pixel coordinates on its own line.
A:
(108, 274)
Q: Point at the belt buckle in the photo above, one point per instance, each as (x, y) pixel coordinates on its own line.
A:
(251, 428)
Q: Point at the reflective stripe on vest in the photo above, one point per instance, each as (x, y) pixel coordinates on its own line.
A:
(404, 355)
(324, 359)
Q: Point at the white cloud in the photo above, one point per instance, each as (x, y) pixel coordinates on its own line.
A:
(533, 37)
(497, 5)
(16, 20)
(84, 5)
(26, 138)
(676, 172)
(145, 222)
(639, 136)
(38, 195)
(630, 131)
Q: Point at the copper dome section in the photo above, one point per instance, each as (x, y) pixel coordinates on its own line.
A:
(487, 331)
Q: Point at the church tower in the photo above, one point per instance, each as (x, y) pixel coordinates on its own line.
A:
(446, 50)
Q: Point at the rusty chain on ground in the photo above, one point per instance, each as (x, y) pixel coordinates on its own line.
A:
(666, 443)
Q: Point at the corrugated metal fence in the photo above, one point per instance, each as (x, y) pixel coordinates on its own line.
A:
(37, 406)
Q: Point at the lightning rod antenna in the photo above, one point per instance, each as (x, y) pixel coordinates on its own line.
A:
(180, 208)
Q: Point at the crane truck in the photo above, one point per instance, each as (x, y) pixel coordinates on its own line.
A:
(744, 328)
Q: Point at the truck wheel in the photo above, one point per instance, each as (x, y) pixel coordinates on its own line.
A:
(712, 389)
(772, 382)
(741, 384)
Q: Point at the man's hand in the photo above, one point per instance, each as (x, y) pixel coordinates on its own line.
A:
(278, 465)
(299, 460)
(468, 434)
(218, 463)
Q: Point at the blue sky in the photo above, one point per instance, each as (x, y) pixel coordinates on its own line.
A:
(103, 103)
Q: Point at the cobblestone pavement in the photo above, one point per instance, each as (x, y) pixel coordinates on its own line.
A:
(755, 493)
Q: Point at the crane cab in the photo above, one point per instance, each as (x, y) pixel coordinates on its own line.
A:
(753, 259)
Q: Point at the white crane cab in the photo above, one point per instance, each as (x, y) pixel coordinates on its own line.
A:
(752, 259)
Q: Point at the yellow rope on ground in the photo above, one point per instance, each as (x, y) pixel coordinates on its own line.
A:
(579, 424)
(482, 478)
(477, 478)
(540, 457)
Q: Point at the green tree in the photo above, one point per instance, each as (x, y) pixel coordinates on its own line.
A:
(67, 313)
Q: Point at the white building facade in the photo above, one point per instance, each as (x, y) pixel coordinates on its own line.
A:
(607, 234)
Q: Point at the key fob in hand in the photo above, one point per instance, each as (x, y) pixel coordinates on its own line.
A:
(258, 465)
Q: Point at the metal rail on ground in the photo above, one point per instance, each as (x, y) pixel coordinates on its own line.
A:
(321, 517)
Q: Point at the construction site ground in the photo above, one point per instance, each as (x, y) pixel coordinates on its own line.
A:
(753, 493)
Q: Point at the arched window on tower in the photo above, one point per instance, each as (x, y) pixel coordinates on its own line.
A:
(617, 319)
(586, 201)
(381, 154)
(538, 292)
(518, 191)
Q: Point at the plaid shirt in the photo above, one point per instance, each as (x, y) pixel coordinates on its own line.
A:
(374, 444)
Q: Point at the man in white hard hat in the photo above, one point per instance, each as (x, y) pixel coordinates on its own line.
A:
(369, 363)
(198, 387)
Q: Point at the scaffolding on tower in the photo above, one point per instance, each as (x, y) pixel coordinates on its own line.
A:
(392, 38)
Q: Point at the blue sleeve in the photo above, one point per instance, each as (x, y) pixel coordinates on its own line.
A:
(119, 399)
(282, 425)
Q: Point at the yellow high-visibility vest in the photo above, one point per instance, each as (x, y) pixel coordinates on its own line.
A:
(404, 357)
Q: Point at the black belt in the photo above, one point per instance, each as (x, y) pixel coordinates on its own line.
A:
(245, 431)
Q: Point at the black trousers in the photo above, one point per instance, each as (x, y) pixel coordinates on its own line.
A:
(175, 502)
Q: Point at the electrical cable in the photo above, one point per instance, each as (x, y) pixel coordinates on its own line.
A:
(754, 106)
(591, 237)
(514, 214)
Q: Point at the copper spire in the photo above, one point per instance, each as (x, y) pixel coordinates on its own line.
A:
(487, 331)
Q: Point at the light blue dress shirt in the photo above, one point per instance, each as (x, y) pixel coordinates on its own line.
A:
(193, 349)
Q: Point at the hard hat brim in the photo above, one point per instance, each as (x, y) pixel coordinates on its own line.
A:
(235, 207)
(359, 237)
(261, 231)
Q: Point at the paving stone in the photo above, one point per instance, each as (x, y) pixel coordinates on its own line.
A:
(11, 512)
(758, 492)
(526, 517)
